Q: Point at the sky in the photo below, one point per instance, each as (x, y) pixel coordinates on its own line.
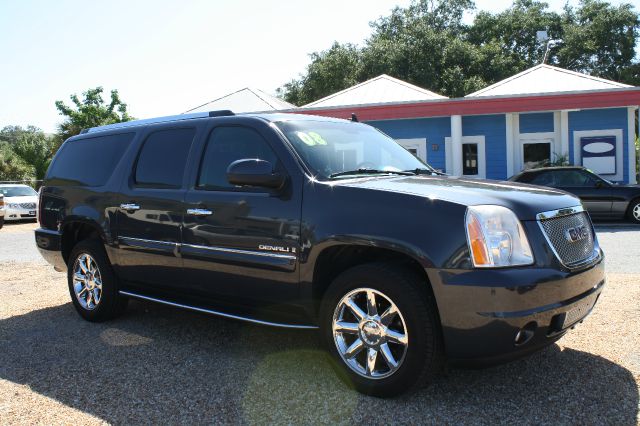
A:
(166, 57)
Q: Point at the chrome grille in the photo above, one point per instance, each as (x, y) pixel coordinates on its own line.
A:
(571, 253)
(28, 206)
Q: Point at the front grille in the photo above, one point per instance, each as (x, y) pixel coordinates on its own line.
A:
(571, 254)
(28, 206)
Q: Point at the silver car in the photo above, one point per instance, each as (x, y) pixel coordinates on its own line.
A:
(20, 202)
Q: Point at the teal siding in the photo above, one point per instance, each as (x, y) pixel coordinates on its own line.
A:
(494, 130)
(433, 129)
(538, 122)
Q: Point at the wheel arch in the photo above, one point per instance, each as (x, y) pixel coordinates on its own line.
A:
(76, 229)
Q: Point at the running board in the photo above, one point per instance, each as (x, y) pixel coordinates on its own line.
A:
(220, 314)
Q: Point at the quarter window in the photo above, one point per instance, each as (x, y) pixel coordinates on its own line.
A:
(89, 161)
(163, 158)
(226, 145)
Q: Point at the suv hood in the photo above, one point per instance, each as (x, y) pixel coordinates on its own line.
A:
(526, 201)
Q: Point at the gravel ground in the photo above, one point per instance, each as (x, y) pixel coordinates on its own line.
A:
(160, 365)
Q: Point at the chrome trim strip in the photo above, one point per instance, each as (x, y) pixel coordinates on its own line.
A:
(240, 251)
(142, 240)
(553, 214)
(221, 314)
(47, 231)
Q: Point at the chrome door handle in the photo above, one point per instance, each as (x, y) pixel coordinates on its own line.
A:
(129, 206)
(199, 212)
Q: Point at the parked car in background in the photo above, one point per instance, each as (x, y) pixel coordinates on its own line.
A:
(20, 202)
(601, 198)
(1, 211)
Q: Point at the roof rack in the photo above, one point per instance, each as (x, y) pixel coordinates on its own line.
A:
(169, 118)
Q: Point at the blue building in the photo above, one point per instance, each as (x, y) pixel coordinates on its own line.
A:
(544, 114)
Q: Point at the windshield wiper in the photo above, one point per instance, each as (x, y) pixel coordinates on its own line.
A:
(371, 172)
(432, 172)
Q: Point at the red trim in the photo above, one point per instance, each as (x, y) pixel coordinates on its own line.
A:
(478, 106)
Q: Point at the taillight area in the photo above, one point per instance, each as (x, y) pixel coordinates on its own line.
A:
(40, 205)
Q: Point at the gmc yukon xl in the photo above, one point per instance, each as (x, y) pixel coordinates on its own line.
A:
(316, 223)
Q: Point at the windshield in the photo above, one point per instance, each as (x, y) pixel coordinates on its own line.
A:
(332, 148)
(17, 191)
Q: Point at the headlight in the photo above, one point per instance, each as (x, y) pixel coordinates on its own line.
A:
(496, 237)
(13, 206)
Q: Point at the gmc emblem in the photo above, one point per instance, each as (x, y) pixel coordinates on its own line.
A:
(576, 234)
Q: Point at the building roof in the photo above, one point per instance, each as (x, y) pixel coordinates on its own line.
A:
(245, 100)
(547, 79)
(381, 89)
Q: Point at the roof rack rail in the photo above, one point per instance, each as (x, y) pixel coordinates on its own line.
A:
(169, 118)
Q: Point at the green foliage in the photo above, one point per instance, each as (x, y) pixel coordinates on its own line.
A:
(25, 153)
(89, 112)
(429, 45)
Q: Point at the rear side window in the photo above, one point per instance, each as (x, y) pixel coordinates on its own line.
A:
(89, 161)
(226, 145)
(163, 158)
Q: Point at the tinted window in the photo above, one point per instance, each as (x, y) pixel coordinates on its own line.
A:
(544, 179)
(163, 158)
(573, 178)
(226, 145)
(89, 161)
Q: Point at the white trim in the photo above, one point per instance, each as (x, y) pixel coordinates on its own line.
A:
(509, 119)
(577, 134)
(631, 148)
(482, 156)
(419, 144)
(564, 132)
(456, 145)
(539, 137)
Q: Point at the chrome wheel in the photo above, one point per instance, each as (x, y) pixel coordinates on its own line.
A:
(87, 281)
(636, 212)
(370, 333)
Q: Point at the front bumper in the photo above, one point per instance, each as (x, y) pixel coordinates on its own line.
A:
(49, 243)
(19, 214)
(482, 311)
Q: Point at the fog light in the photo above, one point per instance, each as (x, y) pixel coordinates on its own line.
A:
(525, 333)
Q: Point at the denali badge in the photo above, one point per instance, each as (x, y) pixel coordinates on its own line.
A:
(277, 248)
(576, 234)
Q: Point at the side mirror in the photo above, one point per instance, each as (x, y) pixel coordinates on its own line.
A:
(254, 172)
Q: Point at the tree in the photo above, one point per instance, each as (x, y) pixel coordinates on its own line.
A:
(25, 153)
(36, 150)
(91, 111)
(429, 45)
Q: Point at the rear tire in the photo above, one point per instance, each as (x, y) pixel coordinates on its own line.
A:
(1, 222)
(414, 352)
(633, 213)
(92, 284)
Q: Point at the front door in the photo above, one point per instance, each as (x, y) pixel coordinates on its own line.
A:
(594, 193)
(241, 244)
(151, 208)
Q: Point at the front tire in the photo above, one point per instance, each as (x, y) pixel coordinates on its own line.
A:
(1, 222)
(92, 284)
(634, 211)
(380, 325)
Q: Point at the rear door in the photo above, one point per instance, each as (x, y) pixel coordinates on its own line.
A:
(151, 207)
(241, 244)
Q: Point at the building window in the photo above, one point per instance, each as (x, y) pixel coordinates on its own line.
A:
(469, 159)
(536, 154)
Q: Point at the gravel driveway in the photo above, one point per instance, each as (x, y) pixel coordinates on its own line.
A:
(160, 365)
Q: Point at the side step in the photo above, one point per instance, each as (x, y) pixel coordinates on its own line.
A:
(221, 314)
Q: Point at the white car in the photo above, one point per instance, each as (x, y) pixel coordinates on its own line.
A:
(20, 202)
